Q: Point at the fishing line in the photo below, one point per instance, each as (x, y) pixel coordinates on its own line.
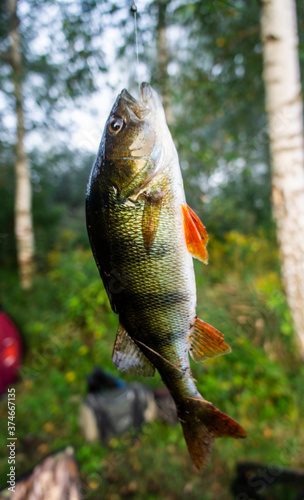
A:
(167, 361)
(134, 10)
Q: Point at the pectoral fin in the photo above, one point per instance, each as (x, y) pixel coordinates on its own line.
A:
(128, 357)
(150, 220)
(206, 342)
(196, 234)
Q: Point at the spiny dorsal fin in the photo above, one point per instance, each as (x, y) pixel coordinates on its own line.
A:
(196, 234)
(128, 357)
(206, 342)
(150, 220)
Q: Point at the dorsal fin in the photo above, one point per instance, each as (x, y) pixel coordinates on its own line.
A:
(128, 357)
(206, 342)
(196, 234)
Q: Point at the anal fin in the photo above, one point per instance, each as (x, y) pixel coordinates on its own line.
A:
(128, 357)
(196, 234)
(206, 341)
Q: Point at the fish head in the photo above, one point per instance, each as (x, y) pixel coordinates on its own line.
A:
(133, 139)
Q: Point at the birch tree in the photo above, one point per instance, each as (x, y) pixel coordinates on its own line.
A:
(44, 81)
(285, 123)
(23, 205)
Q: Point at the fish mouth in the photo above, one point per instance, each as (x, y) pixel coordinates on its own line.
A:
(144, 105)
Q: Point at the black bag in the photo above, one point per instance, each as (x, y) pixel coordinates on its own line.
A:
(110, 413)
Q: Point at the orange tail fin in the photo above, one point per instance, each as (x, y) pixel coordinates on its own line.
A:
(202, 423)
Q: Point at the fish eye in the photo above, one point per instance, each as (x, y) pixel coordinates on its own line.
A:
(115, 125)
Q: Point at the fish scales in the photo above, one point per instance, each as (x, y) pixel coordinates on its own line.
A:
(143, 236)
(150, 298)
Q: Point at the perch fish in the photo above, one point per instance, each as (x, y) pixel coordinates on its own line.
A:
(143, 236)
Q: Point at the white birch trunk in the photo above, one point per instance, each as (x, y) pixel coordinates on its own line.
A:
(23, 198)
(285, 122)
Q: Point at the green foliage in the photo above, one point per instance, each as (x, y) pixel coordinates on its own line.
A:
(241, 203)
(78, 285)
(59, 180)
(220, 94)
(68, 327)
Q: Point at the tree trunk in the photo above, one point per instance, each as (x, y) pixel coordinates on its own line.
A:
(285, 122)
(23, 200)
(163, 58)
(55, 478)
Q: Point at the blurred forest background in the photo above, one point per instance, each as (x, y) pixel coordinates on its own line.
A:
(205, 58)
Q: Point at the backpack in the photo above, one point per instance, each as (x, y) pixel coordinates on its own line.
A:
(110, 413)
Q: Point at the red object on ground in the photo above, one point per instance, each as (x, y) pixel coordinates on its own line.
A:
(10, 352)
